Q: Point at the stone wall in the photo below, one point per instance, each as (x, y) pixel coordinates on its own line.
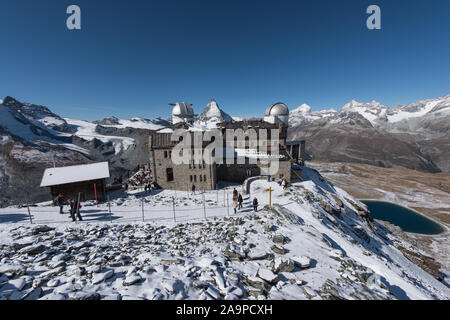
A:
(184, 175)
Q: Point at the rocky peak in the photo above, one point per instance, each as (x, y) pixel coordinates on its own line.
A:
(111, 120)
(213, 112)
(11, 102)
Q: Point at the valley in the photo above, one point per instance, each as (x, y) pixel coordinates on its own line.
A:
(426, 193)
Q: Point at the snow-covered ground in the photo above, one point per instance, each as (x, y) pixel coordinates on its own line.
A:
(312, 244)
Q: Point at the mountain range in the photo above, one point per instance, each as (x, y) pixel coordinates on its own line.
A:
(33, 138)
(415, 136)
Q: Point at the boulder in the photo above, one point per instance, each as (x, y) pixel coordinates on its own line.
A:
(281, 264)
(302, 262)
(168, 262)
(256, 282)
(280, 239)
(267, 275)
(33, 250)
(131, 279)
(40, 229)
(278, 249)
(12, 269)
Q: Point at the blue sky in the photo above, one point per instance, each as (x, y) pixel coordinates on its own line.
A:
(133, 57)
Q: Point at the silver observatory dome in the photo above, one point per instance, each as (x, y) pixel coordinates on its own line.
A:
(277, 109)
(181, 112)
(182, 109)
(277, 112)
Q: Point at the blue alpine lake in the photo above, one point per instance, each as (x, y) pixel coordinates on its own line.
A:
(404, 218)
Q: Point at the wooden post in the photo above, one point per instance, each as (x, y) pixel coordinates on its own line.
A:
(95, 193)
(109, 208)
(228, 206)
(270, 196)
(78, 207)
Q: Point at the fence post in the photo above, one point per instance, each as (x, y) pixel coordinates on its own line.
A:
(228, 206)
(109, 208)
(78, 208)
(95, 193)
(28, 208)
(217, 197)
(204, 205)
(174, 216)
(142, 209)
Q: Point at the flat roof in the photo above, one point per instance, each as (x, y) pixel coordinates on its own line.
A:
(77, 173)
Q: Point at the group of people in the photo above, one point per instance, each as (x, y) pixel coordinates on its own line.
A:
(74, 204)
(238, 200)
(140, 178)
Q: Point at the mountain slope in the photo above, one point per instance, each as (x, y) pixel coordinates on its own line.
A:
(316, 242)
(33, 138)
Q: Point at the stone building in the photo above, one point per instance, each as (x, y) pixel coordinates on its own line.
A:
(252, 161)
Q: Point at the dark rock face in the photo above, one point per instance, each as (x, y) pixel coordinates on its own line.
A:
(108, 121)
(359, 144)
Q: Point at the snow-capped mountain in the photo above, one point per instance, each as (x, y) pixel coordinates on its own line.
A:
(213, 114)
(303, 115)
(136, 122)
(403, 118)
(417, 133)
(37, 113)
(33, 138)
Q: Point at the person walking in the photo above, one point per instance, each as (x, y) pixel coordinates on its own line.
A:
(193, 189)
(235, 200)
(75, 207)
(240, 200)
(255, 204)
(59, 200)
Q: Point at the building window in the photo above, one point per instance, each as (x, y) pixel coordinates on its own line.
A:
(204, 177)
(191, 178)
(165, 154)
(169, 172)
(195, 178)
(201, 178)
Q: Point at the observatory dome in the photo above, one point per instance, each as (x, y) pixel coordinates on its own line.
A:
(182, 109)
(277, 109)
(181, 112)
(277, 112)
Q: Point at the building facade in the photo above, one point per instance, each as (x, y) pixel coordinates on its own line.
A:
(239, 159)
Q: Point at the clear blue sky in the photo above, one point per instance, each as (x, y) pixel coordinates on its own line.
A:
(133, 57)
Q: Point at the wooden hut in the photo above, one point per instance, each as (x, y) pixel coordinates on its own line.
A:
(87, 179)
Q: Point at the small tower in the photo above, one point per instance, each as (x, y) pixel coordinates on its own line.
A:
(182, 112)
